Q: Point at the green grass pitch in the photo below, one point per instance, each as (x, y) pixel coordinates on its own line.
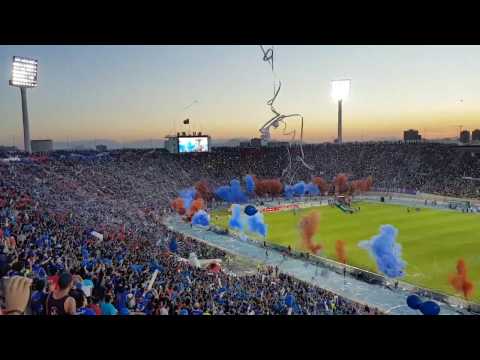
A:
(432, 240)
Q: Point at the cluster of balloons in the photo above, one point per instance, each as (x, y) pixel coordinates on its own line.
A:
(250, 210)
(426, 308)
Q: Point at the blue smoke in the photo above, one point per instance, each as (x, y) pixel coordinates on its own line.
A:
(312, 189)
(250, 184)
(288, 191)
(223, 192)
(236, 221)
(294, 190)
(256, 224)
(201, 218)
(232, 193)
(187, 195)
(299, 189)
(386, 252)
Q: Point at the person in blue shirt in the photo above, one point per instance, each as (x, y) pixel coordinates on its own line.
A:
(121, 298)
(39, 297)
(196, 309)
(107, 307)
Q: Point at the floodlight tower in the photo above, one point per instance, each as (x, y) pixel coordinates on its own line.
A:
(340, 92)
(24, 75)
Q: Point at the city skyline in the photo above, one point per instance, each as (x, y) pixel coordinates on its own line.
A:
(131, 93)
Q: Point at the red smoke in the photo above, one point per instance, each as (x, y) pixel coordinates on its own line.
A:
(341, 184)
(359, 186)
(308, 228)
(341, 251)
(460, 281)
(369, 183)
(203, 191)
(272, 187)
(197, 204)
(178, 205)
(321, 184)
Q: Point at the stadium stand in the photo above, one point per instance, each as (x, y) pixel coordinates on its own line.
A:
(50, 206)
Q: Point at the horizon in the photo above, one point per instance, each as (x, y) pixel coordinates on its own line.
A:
(136, 93)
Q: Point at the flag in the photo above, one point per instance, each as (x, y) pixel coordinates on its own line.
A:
(186, 122)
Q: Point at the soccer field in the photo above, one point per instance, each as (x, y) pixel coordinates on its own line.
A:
(432, 240)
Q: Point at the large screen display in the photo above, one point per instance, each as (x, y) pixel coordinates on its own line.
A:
(192, 144)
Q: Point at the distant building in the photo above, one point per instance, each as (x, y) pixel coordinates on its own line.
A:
(465, 137)
(41, 146)
(476, 135)
(411, 135)
(8, 148)
(277, 143)
(256, 142)
(101, 148)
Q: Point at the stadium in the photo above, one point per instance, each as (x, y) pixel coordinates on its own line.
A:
(294, 228)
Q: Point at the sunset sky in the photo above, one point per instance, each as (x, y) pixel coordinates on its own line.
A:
(128, 93)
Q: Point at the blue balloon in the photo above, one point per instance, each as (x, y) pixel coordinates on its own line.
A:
(430, 308)
(414, 302)
(250, 210)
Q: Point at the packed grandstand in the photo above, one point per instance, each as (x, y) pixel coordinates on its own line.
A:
(88, 228)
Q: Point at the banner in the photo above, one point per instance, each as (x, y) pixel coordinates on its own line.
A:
(280, 208)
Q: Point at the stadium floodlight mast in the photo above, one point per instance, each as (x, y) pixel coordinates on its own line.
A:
(340, 92)
(24, 75)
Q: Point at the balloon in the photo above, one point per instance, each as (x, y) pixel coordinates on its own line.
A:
(430, 308)
(250, 210)
(414, 302)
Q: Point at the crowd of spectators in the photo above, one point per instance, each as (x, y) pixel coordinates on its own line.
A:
(49, 208)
